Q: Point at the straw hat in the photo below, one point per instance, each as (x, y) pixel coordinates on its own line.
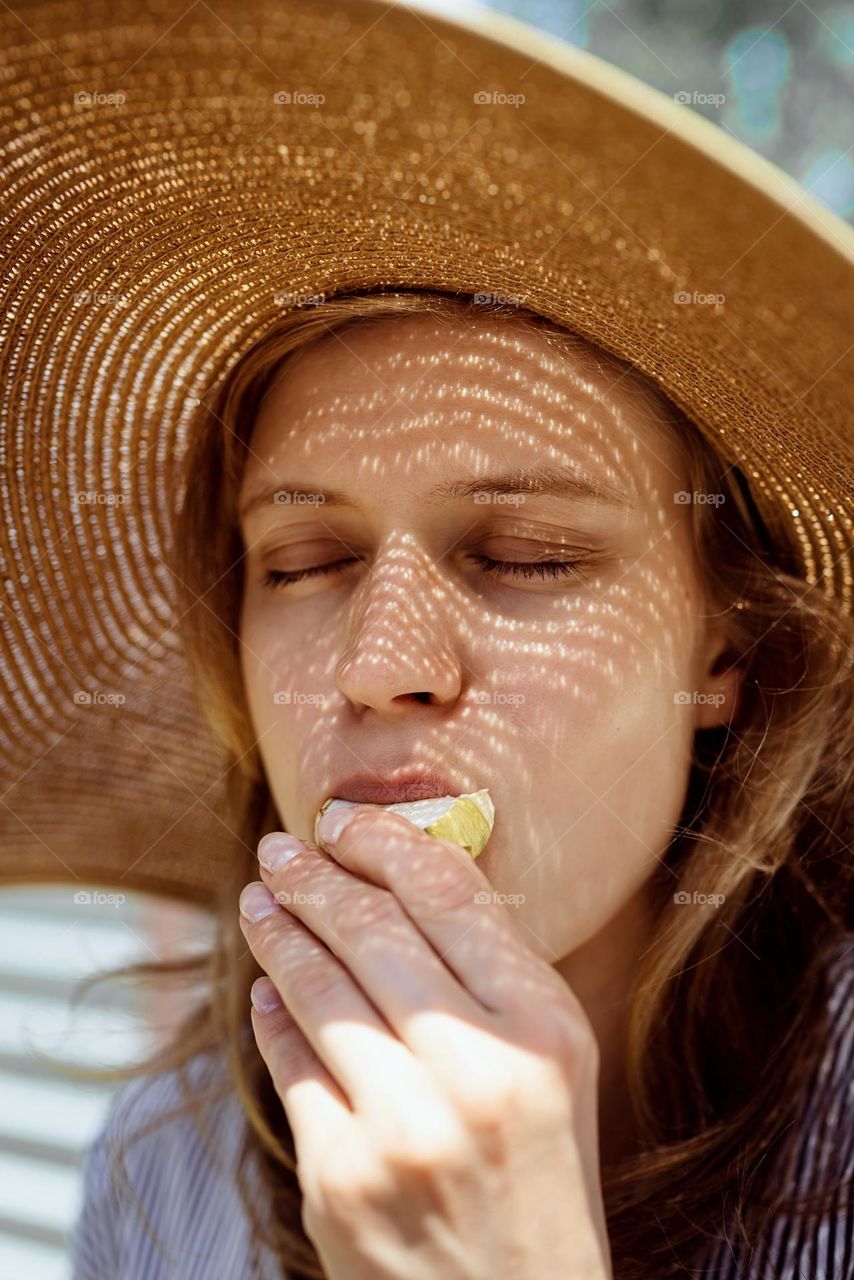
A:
(176, 174)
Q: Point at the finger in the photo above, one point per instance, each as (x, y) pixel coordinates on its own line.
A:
(370, 933)
(315, 1105)
(377, 1073)
(453, 904)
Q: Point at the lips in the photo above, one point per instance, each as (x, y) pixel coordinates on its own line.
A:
(374, 788)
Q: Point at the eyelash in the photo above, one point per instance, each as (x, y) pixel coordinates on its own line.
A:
(498, 568)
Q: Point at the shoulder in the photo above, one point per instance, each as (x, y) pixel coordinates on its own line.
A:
(160, 1184)
(817, 1152)
(821, 1152)
(840, 974)
(829, 1103)
(835, 1072)
(155, 1109)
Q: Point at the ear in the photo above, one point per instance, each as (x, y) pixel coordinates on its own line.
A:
(719, 685)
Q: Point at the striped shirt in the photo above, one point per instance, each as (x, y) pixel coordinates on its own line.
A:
(190, 1198)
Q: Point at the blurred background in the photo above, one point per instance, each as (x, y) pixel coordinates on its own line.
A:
(776, 76)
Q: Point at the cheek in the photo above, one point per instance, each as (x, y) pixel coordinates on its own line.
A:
(601, 765)
(287, 689)
(275, 679)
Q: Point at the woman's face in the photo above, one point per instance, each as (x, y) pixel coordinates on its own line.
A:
(573, 698)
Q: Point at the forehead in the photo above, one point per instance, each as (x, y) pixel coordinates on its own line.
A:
(422, 389)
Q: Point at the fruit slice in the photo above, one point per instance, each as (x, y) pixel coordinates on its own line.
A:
(464, 820)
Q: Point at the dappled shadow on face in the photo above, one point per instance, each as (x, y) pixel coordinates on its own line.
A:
(507, 598)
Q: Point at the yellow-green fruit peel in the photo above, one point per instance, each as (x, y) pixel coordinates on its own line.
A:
(464, 820)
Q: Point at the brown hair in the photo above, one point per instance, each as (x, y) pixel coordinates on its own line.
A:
(763, 825)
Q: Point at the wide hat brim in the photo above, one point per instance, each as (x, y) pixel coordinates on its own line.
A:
(175, 177)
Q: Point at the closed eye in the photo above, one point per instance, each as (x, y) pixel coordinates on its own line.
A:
(541, 569)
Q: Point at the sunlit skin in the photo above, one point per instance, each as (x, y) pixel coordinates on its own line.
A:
(574, 699)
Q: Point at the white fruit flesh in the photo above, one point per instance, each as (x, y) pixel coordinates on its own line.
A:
(465, 820)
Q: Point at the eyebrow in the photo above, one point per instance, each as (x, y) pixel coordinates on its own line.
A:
(543, 481)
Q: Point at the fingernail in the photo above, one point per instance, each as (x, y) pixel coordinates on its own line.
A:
(256, 902)
(332, 824)
(264, 995)
(277, 848)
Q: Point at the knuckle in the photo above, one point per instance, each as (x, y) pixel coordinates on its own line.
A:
(345, 1188)
(555, 1023)
(365, 824)
(440, 884)
(418, 1137)
(569, 1037)
(296, 873)
(430, 1162)
(314, 981)
(422, 1152)
(483, 1093)
(362, 912)
(535, 1089)
(290, 1054)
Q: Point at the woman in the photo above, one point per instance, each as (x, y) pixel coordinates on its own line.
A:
(585, 543)
(647, 831)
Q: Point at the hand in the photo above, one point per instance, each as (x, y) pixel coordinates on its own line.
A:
(440, 1080)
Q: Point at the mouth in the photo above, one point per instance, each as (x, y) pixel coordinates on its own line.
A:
(374, 788)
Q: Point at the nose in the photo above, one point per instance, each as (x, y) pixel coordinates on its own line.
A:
(401, 637)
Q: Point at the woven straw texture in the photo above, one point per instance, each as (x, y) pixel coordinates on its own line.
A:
(173, 177)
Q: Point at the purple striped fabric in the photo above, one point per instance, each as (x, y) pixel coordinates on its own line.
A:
(189, 1195)
(787, 1250)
